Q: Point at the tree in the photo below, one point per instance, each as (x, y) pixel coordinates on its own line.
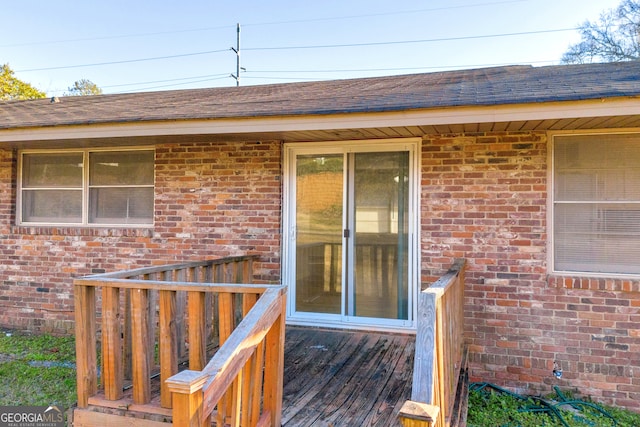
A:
(12, 88)
(615, 37)
(84, 87)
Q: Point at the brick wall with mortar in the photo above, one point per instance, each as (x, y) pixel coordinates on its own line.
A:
(212, 200)
(484, 198)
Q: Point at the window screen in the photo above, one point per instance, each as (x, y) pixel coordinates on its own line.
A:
(87, 187)
(596, 202)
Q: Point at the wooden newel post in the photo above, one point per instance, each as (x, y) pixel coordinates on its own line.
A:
(186, 389)
(416, 414)
(86, 353)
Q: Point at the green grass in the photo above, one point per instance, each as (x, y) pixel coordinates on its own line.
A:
(489, 407)
(37, 370)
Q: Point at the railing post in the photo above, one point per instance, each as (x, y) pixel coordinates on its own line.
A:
(197, 330)
(186, 388)
(168, 344)
(416, 414)
(274, 366)
(139, 345)
(422, 390)
(112, 372)
(86, 358)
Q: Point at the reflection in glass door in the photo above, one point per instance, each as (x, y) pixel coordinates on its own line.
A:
(350, 235)
(319, 217)
(377, 235)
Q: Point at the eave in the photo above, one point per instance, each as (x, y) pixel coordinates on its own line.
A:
(561, 116)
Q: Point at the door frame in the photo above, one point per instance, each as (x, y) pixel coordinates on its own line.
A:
(291, 150)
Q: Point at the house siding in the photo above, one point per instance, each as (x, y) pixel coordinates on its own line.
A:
(212, 200)
(484, 197)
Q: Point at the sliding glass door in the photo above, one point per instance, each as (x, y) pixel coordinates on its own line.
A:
(350, 241)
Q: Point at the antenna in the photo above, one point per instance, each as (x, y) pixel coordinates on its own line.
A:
(238, 67)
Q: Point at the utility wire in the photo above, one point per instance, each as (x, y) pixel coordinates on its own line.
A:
(305, 47)
(444, 39)
(364, 70)
(258, 24)
(372, 15)
(126, 61)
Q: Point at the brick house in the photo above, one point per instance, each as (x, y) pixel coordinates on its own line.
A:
(353, 193)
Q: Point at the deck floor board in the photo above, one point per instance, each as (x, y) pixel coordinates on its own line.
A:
(335, 378)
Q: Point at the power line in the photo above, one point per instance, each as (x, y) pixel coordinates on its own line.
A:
(296, 21)
(444, 39)
(364, 70)
(121, 36)
(307, 47)
(372, 15)
(123, 61)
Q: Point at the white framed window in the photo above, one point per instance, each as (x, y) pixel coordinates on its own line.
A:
(86, 187)
(596, 203)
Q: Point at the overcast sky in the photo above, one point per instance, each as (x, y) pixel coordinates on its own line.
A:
(142, 45)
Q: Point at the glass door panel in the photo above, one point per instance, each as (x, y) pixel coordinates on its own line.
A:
(378, 249)
(319, 228)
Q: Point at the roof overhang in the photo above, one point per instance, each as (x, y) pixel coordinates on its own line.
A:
(296, 127)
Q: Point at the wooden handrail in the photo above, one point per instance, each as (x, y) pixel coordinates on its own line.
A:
(197, 393)
(145, 317)
(439, 350)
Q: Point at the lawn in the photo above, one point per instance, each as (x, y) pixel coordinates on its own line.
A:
(37, 370)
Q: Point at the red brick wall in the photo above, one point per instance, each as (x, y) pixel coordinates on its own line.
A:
(212, 200)
(484, 197)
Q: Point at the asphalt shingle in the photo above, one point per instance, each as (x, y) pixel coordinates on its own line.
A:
(479, 87)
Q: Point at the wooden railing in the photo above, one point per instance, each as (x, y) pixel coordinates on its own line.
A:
(440, 351)
(207, 314)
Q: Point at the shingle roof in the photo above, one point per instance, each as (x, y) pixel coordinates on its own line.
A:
(478, 87)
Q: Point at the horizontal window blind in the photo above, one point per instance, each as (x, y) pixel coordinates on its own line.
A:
(597, 203)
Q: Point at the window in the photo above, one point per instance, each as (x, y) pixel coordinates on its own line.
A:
(86, 187)
(596, 203)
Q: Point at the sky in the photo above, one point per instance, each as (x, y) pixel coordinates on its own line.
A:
(151, 45)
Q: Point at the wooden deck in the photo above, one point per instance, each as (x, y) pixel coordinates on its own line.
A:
(345, 378)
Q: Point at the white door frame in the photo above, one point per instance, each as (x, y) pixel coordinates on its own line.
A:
(291, 150)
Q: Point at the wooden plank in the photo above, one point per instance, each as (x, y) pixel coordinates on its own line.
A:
(127, 356)
(248, 382)
(423, 371)
(225, 327)
(345, 378)
(112, 372)
(139, 345)
(274, 364)
(188, 409)
(168, 344)
(197, 331)
(417, 414)
(314, 359)
(86, 357)
(86, 418)
(164, 268)
(178, 285)
(234, 353)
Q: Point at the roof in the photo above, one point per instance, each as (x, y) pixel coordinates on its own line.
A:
(478, 87)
